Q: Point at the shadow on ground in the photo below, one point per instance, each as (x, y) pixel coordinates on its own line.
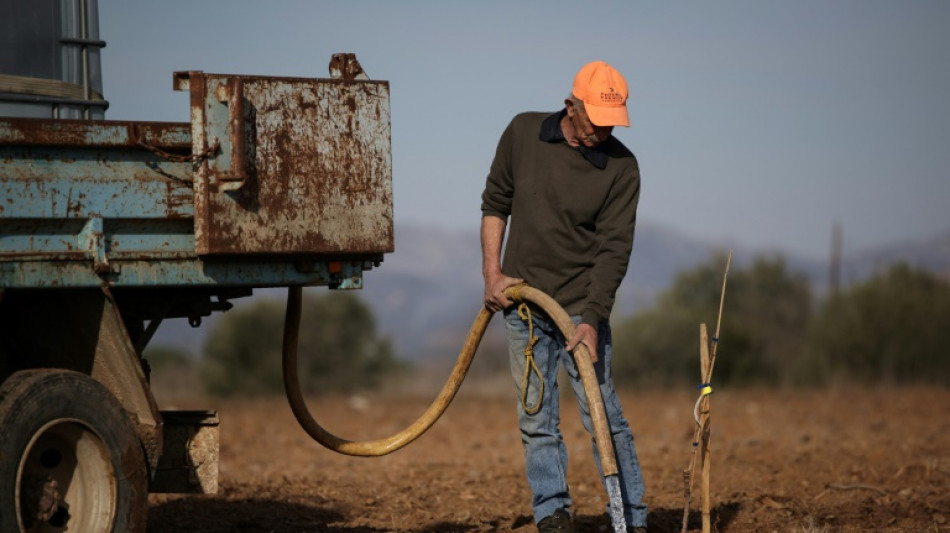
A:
(664, 520)
(194, 515)
(198, 515)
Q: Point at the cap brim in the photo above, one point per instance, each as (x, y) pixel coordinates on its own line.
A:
(607, 116)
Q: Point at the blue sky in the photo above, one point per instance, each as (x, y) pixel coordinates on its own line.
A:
(755, 123)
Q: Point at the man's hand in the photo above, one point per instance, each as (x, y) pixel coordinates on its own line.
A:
(585, 334)
(495, 285)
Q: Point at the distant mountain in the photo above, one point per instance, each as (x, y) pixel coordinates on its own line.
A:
(426, 294)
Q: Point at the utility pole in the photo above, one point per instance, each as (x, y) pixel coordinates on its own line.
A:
(834, 270)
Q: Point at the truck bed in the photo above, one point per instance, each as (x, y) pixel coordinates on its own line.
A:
(275, 182)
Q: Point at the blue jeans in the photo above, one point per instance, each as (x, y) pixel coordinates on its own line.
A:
(544, 450)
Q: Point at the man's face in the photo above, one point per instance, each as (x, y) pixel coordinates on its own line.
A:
(587, 133)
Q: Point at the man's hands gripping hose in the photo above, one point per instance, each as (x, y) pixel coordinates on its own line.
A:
(495, 285)
(587, 335)
(495, 300)
(492, 233)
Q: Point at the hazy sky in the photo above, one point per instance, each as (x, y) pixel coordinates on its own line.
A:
(755, 122)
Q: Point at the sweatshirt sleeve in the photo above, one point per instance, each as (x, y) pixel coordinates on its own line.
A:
(615, 226)
(499, 186)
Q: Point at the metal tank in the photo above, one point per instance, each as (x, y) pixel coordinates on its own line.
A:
(50, 64)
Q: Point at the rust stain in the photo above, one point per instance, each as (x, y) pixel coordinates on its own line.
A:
(83, 133)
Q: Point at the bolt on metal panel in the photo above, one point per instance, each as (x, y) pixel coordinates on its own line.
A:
(295, 166)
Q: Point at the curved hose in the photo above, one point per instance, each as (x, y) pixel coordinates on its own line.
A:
(379, 447)
(437, 407)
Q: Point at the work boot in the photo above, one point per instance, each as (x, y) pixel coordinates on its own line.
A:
(558, 522)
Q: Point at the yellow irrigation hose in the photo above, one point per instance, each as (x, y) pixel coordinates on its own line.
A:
(379, 447)
(520, 293)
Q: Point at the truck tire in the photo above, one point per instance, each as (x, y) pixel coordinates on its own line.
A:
(70, 458)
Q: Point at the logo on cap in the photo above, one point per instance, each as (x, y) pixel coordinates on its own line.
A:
(611, 97)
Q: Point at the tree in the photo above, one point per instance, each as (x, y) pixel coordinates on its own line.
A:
(338, 348)
(766, 314)
(891, 328)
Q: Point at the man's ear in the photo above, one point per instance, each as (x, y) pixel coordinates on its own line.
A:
(569, 105)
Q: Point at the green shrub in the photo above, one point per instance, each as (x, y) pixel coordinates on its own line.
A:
(890, 329)
(338, 348)
(765, 317)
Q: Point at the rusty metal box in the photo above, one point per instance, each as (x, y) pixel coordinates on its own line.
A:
(292, 166)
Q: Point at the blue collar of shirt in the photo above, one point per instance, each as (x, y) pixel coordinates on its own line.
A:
(551, 132)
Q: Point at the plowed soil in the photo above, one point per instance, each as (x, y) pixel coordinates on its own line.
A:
(802, 461)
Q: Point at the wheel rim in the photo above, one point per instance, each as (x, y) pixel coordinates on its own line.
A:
(66, 480)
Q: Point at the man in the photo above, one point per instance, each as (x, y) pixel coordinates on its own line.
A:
(570, 190)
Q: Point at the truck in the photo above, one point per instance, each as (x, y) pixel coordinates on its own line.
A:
(108, 228)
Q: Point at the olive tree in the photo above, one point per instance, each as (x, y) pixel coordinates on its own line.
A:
(766, 314)
(890, 329)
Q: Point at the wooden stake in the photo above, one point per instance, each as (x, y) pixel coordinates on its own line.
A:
(707, 361)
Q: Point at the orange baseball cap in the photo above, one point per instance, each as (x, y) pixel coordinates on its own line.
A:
(604, 93)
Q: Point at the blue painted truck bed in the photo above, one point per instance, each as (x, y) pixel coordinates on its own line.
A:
(275, 182)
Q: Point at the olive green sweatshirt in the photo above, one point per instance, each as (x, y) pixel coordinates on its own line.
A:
(572, 213)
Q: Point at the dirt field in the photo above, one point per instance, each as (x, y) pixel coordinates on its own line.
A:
(843, 460)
